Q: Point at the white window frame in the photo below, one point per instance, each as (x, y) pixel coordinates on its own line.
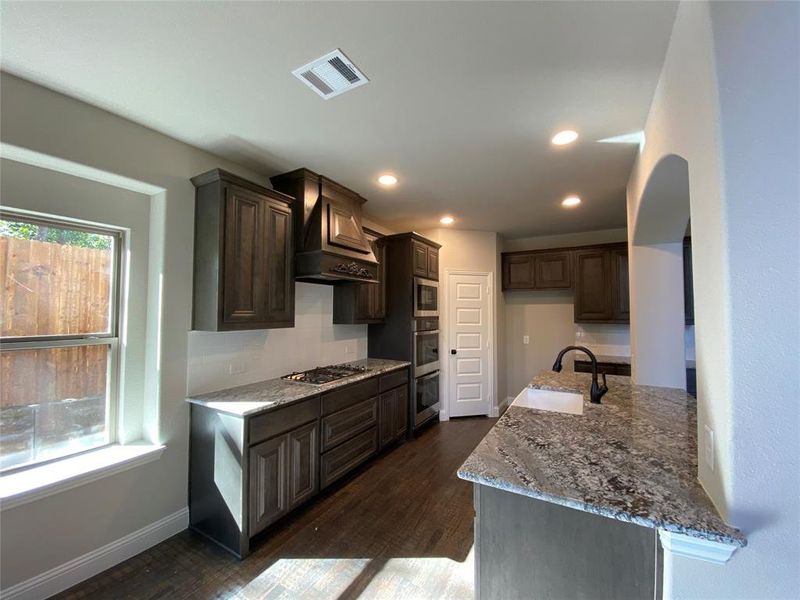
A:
(110, 339)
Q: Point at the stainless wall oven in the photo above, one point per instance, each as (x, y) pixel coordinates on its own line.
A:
(426, 401)
(426, 345)
(426, 297)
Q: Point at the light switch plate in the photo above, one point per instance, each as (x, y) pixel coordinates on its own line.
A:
(526, 339)
(708, 450)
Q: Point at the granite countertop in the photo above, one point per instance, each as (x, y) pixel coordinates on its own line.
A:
(268, 395)
(632, 458)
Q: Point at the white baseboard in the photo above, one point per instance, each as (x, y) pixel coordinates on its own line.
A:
(90, 564)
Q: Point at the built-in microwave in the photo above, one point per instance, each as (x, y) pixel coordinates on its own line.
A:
(426, 297)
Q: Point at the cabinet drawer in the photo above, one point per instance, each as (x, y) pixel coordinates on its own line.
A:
(393, 380)
(352, 394)
(343, 425)
(282, 420)
(346, 457)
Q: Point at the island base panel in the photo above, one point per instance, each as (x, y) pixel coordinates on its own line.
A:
(528, 548)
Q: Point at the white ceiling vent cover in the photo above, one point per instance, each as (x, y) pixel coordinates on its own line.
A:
(331, 75)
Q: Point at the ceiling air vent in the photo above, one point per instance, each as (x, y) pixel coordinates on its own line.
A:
(331, 75)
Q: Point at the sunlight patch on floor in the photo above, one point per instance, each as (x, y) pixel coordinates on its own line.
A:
(410, 578)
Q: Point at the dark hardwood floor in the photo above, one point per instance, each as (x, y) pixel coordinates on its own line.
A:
(401, 527)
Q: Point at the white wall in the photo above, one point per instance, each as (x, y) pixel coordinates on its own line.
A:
(471, 251)
(49, 532)
(222, 360)
(727, 103)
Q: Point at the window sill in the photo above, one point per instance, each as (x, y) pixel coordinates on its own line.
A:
(39, 482)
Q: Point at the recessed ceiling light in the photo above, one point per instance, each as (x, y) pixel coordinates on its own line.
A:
(446, 220)
(570, 201)
(564, 137)
(387, 180)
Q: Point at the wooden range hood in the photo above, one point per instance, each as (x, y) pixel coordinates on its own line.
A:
(331, 246)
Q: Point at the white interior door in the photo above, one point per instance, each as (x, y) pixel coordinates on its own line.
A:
(469, 314)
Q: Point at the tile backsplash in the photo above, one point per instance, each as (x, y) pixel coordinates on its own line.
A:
(601, 338)
(227, 359)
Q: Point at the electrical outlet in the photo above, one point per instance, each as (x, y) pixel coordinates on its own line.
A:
(708, 451)
(236, 368)
(526, 339)
(348, 348)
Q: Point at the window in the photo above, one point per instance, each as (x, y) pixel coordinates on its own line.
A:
(59, 346)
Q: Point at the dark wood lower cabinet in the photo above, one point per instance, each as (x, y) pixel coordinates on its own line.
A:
(268, 478)
(347, 456)
(394, 415)
(246, 472)
(527, 548)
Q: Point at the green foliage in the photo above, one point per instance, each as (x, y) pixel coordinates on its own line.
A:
(57, 235)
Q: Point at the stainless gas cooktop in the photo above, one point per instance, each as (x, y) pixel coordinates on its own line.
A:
(322, 375)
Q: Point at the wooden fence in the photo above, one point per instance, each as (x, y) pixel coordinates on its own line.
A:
(52, 289)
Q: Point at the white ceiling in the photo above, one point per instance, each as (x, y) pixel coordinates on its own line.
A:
(463, 98)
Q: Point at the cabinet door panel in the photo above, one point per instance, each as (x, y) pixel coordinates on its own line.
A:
(592, 285)
(620, 292)
(244, 278)
(280, 277)
(420, 259)
(401, 411)
(303, 461)
(268, 493)
(552, 271)
(379, 290)
(518, 272)
(433, 264)
(386, 429)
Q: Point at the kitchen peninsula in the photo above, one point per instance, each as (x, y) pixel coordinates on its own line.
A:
(597, 484)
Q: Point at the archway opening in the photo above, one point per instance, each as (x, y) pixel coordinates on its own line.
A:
(658, 316)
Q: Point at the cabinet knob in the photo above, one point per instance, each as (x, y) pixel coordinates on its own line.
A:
(452, 351)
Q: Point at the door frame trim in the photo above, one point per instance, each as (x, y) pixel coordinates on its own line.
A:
(444, 372)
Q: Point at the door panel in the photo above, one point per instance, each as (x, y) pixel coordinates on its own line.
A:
(244, 281)
(280, 278)
(552, 271)
(518, 272)
(620, 291)
(592, 285)
(268, 493)
(433, 264)
(303, 459)
(469, 305)
(420, 259)
(401, 411)
(388, 415)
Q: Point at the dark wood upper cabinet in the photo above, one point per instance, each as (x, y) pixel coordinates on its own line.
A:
(243, 255)
(245, 275)
(360, 303)
(552, 270)
(518, 272)
(593, 279)
(433, 263)
(688, 285)
(620, 292)
(419, 259)
(597, 274)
